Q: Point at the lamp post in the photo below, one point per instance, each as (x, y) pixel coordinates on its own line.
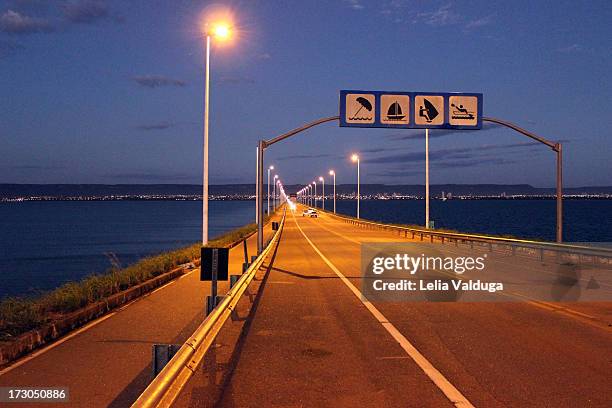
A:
(333, 173)
(310, 195)
(426, 178)
(220, 31)
(314, 183)
(355, 159)
(269, 168)
(274, 194)
(322, 180)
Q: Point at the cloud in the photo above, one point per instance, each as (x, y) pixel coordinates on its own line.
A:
(454, 164)
(12, 22)
(445, 154)
(444, 15)
(151, 176)
(156, 126)
(264, 56)
(479, 22)
(304, 156)
(446, 164)
(36, 167)
(235, 80)
(87, 12)
(355, 4)
(571, 48)
(156, 81)
(420, 134)
(8, 48)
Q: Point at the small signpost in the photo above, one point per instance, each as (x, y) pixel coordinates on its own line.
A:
(214, 266)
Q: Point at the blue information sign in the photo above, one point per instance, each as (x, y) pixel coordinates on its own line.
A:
(410, 110)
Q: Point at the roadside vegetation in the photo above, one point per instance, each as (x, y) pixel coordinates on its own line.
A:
(19, 315)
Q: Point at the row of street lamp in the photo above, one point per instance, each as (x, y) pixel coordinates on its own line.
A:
(308, 194)
(275, 196)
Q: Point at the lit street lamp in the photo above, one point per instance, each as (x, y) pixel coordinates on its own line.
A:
(333, 173)
(322, 180)
(310, 195)
(314, 183)
(274, 195)
(220, 31)
(355, 158)
(269, 168)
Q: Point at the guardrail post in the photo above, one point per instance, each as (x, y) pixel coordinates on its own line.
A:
(246, 251)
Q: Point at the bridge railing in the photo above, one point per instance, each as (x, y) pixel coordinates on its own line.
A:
(167, 385)
(515, 246)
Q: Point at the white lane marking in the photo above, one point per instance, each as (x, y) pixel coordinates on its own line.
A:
(56, 343)
(449, 390)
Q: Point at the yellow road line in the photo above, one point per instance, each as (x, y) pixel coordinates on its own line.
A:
(449, 390)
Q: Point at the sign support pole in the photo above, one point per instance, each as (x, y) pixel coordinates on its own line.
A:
(427, 178)
(258, 198)
(213, 283)
(559, 152)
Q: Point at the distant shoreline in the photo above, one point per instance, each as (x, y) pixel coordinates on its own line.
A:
(343, 197)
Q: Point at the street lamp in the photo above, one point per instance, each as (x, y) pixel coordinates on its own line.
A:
(274, 195)
(314, 183)
(310, 195)
(333, 173)
(322, 180)
(220, 31)
(269, 168)
(355, 159)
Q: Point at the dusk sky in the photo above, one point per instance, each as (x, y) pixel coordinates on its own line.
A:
(112, 91)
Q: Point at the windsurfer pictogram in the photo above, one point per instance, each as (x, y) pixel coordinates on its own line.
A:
(395, 112)
(429, 112)
(459, 112)
(363, 103)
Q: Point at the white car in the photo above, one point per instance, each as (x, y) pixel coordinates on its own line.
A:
(310, 213)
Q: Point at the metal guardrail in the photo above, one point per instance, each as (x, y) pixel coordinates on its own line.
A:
(583, 253)
(166, 387)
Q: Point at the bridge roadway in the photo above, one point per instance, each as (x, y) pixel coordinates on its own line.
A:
(314, 342)
(108, 362)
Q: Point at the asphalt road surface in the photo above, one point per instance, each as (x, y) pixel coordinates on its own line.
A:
(315, 341)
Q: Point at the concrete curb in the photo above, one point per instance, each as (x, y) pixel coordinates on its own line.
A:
(31, 340)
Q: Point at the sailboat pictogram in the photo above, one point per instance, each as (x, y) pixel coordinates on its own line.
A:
(395, 112)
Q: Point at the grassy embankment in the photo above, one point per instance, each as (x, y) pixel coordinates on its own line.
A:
(19, 315)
